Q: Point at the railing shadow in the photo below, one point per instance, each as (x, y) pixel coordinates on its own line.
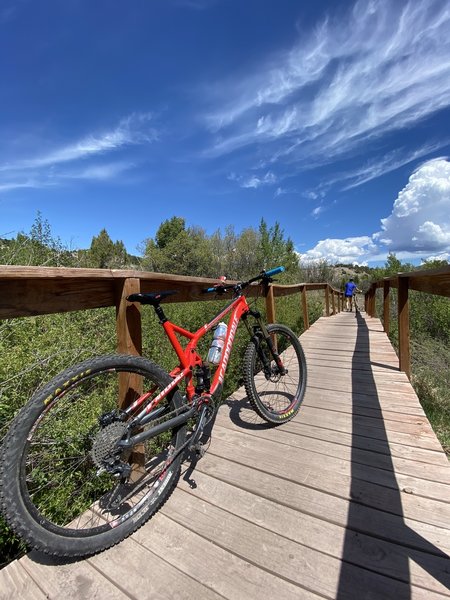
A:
(389, 498)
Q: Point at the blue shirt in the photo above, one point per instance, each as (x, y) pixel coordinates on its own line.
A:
(349, 288)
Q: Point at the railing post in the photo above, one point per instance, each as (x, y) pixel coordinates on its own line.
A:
(129, 336)
(333, 306)
(386, 306)
(305, 309)
(327, 301)
(403, 326)
(270, 305)
(371, 301)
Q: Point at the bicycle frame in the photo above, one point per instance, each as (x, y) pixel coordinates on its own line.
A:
(189, 359)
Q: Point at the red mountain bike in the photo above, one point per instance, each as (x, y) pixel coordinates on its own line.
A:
(78, 474)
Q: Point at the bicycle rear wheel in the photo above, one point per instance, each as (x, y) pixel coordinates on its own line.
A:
(274, 396)
(54, 492)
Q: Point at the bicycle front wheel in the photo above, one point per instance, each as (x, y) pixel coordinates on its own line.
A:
(54, 491)
(275, 397)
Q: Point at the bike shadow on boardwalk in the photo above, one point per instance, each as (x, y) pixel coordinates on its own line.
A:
(358, 491)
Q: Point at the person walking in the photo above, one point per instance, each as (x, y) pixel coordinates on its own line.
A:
(350, 289)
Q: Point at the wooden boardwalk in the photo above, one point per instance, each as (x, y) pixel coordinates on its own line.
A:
(349, 500)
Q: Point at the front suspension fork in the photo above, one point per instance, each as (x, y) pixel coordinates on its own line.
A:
(260, 332)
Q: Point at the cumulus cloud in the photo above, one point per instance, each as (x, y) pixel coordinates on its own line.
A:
(420, 219)
(348, 250)
(418, 226)
(383, 66)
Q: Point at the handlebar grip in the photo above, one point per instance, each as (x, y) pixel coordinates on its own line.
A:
(274, 271)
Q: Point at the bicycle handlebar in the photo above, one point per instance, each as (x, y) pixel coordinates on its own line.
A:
(274, 271)
(264, 275)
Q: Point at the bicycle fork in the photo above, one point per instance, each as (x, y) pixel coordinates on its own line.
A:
(258, 333)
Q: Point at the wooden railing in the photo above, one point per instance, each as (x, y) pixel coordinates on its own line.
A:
(435, 281)
(27, 291)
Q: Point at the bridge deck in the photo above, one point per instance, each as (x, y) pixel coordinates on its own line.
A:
(349, 500)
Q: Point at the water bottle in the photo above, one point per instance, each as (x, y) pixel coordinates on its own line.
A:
(215, 350)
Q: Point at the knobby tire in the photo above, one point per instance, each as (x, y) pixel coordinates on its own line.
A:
(51, 490)
(277, 398)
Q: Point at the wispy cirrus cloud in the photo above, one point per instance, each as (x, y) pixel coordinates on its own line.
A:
(357, 77)
(80, 159)
(254, 181)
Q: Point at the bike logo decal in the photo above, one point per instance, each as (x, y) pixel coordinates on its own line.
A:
(226, 354)
(65, 385)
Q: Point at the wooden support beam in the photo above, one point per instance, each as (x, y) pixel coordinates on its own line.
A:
(327, 302)
(386, 306)
(305, 309)
(403, 326)
(371, 307)
(128, 317)
(270, 305)
(129, 337)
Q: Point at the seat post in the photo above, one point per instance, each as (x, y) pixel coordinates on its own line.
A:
(160, 313)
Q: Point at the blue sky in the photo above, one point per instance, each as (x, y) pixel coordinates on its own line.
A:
(332, 118)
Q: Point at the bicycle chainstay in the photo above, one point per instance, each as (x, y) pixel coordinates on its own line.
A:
(206, 412)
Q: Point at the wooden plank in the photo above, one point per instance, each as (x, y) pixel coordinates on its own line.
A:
(28, 297)
(15, 582)
(294, 562)
(407, 410)
(70, 580)
(349, 466)
(213, 567)
(325, 506)
(358, 441)
(144, 574)
(27, 291)
(381, 460)
(365, 551)
(261, 455)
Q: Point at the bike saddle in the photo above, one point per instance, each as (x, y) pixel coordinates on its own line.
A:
(151, 298)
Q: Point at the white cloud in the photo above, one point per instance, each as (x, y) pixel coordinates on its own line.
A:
(131, 130)
(347, 250)
(14, 185)
(103, 171)
(254, 181)
(71, 161)
(420, 219)
(418, 226)
(316, 212)
(382, 66)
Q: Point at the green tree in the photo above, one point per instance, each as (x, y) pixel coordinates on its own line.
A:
(169, 230)
(275, 250)
(106, 254)
(178, 250)
(39, 247)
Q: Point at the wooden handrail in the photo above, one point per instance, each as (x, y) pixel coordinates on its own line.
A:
(30, 291)
(433, 281)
